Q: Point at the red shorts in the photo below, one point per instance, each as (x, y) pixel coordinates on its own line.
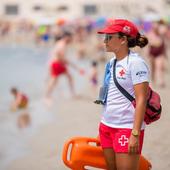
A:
(58, 68)
(117, 138)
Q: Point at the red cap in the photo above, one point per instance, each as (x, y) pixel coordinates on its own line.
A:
(120, 25)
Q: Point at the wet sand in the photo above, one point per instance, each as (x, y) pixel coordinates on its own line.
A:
(76, 118)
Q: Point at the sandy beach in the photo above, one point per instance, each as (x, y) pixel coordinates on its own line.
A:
(80, 117)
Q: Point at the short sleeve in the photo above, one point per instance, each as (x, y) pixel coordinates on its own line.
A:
(139, 71)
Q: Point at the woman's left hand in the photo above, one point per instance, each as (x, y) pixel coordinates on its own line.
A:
(133, 147)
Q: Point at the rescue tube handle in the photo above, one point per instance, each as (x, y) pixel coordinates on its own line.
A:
(65, 152)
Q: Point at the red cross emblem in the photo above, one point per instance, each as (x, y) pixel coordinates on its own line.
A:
(122, 72)
(123, 140)
(126, 29)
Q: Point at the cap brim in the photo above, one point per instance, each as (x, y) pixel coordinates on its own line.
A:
(106, 31)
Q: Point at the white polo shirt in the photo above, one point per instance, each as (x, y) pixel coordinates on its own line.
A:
(119, 112)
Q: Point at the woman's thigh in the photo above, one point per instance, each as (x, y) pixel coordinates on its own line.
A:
(126, 161)
(109, 155)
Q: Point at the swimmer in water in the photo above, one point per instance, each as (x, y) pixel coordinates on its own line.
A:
(21, 100)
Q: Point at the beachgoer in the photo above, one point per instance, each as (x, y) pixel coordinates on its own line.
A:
(59, 64)
(94, 75)
(122, 126)
(21, 99)
(100, 50)
(80, 38)
(157, 52)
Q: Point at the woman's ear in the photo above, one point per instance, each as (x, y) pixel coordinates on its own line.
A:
(125, 39)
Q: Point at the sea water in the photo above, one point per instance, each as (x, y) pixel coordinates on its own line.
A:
(26, 68)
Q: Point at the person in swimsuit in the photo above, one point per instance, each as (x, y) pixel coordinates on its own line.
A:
(21, 100)
(58, 65)
(157, 52)
(94, 75)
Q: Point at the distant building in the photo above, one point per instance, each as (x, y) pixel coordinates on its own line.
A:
(35, 9)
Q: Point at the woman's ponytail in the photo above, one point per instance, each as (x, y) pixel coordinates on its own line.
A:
(141, 41)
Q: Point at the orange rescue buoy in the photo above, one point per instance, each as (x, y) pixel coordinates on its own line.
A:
(82, 152)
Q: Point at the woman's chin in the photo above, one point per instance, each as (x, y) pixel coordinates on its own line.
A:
(107, 50)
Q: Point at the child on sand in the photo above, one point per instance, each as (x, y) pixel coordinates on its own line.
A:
(21, 100)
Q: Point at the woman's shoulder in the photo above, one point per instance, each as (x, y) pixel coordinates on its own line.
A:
(136, 61)
(135, 58)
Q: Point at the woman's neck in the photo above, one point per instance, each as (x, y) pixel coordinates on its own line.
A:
(121, 54)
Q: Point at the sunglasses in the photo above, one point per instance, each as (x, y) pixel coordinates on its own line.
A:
(109, 37)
